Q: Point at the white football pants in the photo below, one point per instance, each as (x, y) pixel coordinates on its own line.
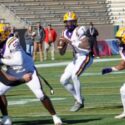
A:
(72, 72)
(34, 85)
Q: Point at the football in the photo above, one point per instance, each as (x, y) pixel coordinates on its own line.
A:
(62, 45)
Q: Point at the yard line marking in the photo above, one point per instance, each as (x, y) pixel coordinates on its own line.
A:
(66, 63)
(98, 74)
(25, 101)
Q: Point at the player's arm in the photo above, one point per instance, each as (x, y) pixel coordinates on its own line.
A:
(121, 53)
(13, 81)
(84, 44)
(62, 44)
(16, 54)
(16, 59)
(120, 66)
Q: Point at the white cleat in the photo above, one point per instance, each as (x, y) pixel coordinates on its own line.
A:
(6, 120)
(57, 120)
(77, 106)
(121, 116)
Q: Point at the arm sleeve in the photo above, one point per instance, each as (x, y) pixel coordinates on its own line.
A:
(16, 55)
(81, 31)
(15, 60)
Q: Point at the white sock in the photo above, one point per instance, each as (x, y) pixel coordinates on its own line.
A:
(56, 119)
(54, 116)
(114, 69)
(123, 101)
(76, 83)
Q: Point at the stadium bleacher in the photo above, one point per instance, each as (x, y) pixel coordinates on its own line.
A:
(117, 11)
(52, 10)
(103, 13)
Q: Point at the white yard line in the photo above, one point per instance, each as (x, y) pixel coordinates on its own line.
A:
(65, 63)
(25, 101)
(98, 74)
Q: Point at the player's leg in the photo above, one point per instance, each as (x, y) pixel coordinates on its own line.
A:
(35, 50)
(52, 51)
(3, 105)
(65, 79)
(81, 64)
(36, 88)
(46, 48)
(31, 51)
(122, 92)
(40, 51)
(27, 48)
(96, 47)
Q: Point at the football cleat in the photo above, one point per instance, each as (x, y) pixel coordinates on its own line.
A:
(121, 116)
(77, 106)
(6, 120)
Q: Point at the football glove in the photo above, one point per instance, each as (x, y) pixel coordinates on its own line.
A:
(106, 70)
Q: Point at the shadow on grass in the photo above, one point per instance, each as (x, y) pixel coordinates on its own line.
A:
(75, 121)
(50, 122)
(106, 107)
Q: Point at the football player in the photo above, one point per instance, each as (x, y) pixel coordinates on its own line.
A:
(76, 37)
(120, 35)
(18, 63)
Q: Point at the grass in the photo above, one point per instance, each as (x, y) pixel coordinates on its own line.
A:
(102, 98)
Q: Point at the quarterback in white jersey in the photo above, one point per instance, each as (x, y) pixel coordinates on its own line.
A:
(18, 64)
(120, 35)
(76, 37)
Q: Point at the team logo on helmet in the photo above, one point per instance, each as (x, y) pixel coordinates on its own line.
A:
(69, 16)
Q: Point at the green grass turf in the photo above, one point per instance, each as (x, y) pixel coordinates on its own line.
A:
(102, 98)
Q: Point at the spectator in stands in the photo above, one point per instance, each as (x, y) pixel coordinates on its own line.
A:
(12, 30)
(50, 37)
(16, 34)
(92, 32)
(29, 39)
(38, 41)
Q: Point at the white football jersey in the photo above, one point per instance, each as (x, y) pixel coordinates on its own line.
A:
(75, 37)
(16, 60)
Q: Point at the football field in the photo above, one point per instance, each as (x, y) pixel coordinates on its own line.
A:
(102, 98)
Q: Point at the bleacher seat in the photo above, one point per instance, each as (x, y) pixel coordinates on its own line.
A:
(31, 10)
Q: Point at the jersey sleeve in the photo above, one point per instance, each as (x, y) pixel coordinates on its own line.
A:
(14, 45)
(16, 54)
(79, 34)
(81, 31)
